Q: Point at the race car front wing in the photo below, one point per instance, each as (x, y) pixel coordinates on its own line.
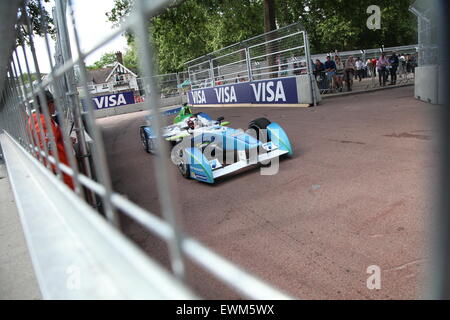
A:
(246, 162)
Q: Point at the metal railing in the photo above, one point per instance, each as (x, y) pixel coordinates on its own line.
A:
(284, 52)
(77, 191)
(368, 77)
(279, 53)
(168, 85)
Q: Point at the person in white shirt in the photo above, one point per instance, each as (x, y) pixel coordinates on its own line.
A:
(339, 72)
(359, 68)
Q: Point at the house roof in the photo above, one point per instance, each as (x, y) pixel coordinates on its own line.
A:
(117, 64)
(99, 75)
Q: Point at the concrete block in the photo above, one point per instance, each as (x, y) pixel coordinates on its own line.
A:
(426, 84)
(304, 91)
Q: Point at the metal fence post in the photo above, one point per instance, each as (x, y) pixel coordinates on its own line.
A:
(179, 88)
(98, 149)
(72, 92)
(211, 73)
(308, 63)
(162, 173)
(249, 64)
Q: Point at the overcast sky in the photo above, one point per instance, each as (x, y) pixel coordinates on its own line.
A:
(92, 27)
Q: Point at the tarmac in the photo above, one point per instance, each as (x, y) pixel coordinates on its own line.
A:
(358, 192)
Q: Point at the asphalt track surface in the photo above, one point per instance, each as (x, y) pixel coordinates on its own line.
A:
(359, 191)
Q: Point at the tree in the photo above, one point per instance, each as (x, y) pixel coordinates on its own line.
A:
(193, 28)
(107, 59)
(269, 15)
(120, 11)
(130, 58)
(40, 19)
(341, 25)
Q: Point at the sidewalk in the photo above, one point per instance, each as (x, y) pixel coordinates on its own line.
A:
(17, 279)
(370, 84)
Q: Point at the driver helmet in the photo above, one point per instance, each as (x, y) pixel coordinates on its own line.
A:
(193, 123)
(187, 109)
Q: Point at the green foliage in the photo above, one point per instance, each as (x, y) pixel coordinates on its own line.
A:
(130, 58)
(341, 25)
(107, 59)
(40, 20)
(179, 34)
(193, 28)
(33, 78)
(120, 11)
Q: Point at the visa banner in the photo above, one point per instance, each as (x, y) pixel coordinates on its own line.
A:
(272, 91)
(113, 100)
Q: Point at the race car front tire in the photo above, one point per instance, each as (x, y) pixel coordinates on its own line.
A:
(258, 125)
(144, 140)
(184, 170)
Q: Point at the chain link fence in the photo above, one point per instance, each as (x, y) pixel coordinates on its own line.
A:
(428, 36)
(79, 221)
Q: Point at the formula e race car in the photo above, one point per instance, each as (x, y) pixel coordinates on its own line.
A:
(205, 149)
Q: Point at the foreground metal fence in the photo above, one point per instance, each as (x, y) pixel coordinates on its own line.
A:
(62, 220)
(427, 33)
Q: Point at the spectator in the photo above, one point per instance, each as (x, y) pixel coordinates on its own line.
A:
(410, 63)
(304, 69)
(393, 62)
(297, 66)
(382, 63)
(330, 69)
(359, 64)
(319, 67)
(219, 81)
(339, 72)
(402, 64)
(369, 67)
(402, 60)
(349, 71)
(365, 69)
(414, 62)
(33, 121)
(374, 66)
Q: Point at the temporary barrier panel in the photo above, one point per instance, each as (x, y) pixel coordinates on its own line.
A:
(292, 90)
(114, 100)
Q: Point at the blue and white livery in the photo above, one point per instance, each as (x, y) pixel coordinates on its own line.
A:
(204, 149)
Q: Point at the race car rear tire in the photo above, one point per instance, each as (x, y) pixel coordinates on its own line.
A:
(144, 140)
